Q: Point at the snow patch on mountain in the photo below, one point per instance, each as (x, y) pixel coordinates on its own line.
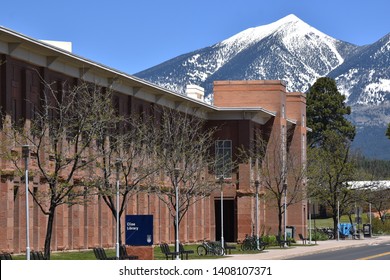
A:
(375, 93)
(382, 85)
(344, 86)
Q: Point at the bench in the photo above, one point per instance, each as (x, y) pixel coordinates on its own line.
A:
(166, 251)
(37, 256)
(100, 254)
(282, 243)
(123, 254)
(183, 251)
(302, 238)
(228, 247)
(5, 256)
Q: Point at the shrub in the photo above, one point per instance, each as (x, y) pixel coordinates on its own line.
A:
(379, 227)
(318, 236)
(270, 239)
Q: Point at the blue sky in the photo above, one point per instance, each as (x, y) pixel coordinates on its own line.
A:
(132, 35)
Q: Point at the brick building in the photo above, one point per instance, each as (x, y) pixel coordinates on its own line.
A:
(240, 108)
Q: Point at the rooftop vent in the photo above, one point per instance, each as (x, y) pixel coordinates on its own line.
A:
(67, 46)
(195, 92)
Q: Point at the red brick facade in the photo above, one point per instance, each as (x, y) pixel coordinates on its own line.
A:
(240, 107)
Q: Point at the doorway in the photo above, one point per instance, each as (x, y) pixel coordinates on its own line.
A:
(229, 220)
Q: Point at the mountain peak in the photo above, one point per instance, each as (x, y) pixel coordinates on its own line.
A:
(288, 24)
(287, 19)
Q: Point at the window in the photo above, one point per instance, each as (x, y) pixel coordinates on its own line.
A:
(223, 158)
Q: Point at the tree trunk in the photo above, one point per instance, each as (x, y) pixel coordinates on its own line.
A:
(49, 231)
(120, 227)
(335, 224)
(113, 211)
(175, 230)
(280, 220)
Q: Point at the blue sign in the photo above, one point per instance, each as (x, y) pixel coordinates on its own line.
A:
(139, 230)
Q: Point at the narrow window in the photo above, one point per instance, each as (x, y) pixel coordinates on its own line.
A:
(223, 158)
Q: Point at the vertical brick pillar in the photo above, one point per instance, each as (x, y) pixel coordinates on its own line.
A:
(245, 205)
(296, 109)
(6, 214)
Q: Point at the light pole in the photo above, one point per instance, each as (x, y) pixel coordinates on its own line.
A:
(222, 239)
(176, 174)
(257, 183)
(117, 165)
(309, 221)
(338, 220)
(285, 213)
(25, 155)
(370, 217)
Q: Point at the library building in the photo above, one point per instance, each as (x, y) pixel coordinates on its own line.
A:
(261, 196)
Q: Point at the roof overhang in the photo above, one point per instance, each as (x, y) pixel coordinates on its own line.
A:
(256, 114)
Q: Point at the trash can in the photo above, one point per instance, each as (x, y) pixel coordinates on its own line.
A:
(290, 231)
(367, 230)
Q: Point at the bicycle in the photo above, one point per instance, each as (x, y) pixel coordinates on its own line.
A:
(250, 243)
(327, 231)
(208, 248)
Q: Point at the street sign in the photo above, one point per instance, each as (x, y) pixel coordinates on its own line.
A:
(139, 230)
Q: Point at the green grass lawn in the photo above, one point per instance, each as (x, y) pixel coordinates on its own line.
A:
(158, 255)
(320, 223)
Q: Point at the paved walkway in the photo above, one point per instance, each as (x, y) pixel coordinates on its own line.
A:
(322, 246)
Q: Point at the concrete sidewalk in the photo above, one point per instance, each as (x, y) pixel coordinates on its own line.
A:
(322, 246)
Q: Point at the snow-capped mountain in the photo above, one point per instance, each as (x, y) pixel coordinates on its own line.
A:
(293, 51)
(281, 50)
(364, 78)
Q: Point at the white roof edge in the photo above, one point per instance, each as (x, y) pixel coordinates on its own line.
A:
(291, 121)
(252, 109)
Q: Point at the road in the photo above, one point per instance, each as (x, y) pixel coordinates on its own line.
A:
(380, 251)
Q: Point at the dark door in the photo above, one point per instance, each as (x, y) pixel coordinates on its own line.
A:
(229, 220)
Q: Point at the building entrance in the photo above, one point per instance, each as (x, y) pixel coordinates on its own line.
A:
(229, 220)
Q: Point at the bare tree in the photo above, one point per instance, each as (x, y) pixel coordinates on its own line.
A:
(128, 155)
(61, 135)
(378, 194)
(184, 158)
(281, 173)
